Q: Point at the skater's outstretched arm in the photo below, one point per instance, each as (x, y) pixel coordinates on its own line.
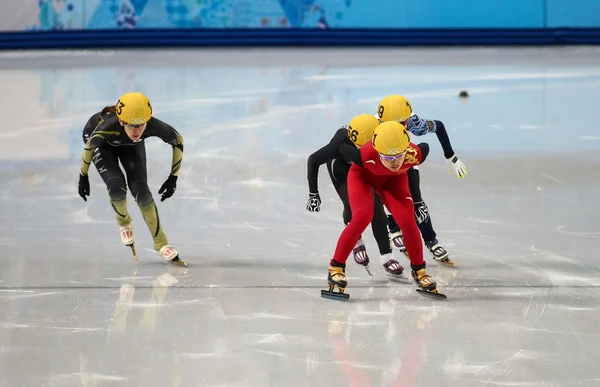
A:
(419, 127)
(323, 155)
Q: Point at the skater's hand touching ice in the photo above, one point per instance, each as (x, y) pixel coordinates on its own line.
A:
(314, 202)
(168, 188)
(84, 186)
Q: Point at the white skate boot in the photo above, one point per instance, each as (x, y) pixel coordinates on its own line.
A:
(128, 238)
(127, 235)
(171, 255)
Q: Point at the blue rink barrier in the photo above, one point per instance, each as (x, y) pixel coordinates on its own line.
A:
(294, 37)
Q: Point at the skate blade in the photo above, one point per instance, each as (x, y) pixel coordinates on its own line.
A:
(369, 271)
(335, 295)
(447, 263)
(400, 279)
(178, 262)
(133, 251)
(434, 295)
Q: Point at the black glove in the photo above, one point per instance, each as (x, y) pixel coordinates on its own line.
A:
(314, 202)
(84, 186)
(168, 188)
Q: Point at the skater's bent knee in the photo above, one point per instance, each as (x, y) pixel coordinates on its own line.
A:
(141, 192)
(117, 190)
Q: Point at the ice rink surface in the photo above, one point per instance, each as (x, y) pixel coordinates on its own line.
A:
(523, 226)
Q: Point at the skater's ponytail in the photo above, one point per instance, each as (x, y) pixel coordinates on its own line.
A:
(108, 109)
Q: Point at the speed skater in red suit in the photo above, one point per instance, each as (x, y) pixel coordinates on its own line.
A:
(380, 166)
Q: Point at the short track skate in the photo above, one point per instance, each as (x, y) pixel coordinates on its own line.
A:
(336, 277)
(439, 253)
(445, 262)
(395, 272)
(425, 285)
(177, 261)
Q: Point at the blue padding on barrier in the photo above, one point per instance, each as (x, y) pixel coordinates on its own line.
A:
(292, 37)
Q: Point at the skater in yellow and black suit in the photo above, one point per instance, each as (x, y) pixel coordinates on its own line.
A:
(117, 134)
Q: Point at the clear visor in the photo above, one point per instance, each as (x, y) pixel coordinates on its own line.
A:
(391, 158)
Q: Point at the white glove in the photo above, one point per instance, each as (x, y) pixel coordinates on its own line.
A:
(457, 166)
(314, 202)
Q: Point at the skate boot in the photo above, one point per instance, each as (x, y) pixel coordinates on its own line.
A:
(439, 253)
(171, 255)
(397, 241)
(361, 257)
(394, 269)
(426, 285)
(128, 238)
(336, 277)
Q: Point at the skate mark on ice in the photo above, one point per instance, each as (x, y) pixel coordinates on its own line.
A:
(552, 178)
(293, 287)
(257, 316)
(94, 378)
(71, 329)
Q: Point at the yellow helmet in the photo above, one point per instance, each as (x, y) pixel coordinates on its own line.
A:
(394, 108)
(390, 138)
(360, 129)
(134, 108)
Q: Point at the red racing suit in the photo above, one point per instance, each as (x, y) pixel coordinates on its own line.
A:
(393, 189)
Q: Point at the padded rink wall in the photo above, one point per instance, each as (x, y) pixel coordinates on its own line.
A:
(166, 23)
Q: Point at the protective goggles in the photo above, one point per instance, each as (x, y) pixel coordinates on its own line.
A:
(399, 156)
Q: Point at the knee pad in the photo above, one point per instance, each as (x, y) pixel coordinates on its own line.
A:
(141, 192)
(117, 190)
(421, 212)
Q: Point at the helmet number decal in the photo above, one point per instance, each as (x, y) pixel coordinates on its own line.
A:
(120, 106)
(150, 106)
(380, 111)
(353, 134)
(374, 137)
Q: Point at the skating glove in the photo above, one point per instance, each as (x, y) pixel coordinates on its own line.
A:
(314, 202)
(457, 166)
(84, 186)
(168, 188)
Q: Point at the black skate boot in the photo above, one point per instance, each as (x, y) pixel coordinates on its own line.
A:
(336, 277)
(426, 285)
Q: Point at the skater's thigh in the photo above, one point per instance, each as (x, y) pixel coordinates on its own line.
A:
(106, 161)
(339, 177)
(379, 210)
(396, 195)
(360, 194)
(133, 159)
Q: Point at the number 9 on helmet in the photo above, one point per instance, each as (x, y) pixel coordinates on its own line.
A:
(360, 129)
(394, 108)
(134, 108)
(390, 138)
